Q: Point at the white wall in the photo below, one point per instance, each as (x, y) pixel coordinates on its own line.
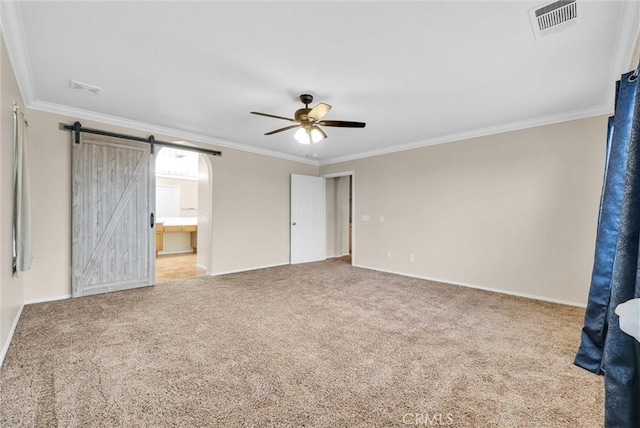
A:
(515, 212)
(205, 211)
(188, 194)
(180, 242)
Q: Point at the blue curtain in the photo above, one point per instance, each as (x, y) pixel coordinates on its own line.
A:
(605, 349)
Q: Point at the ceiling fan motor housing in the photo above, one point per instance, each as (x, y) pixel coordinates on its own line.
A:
(306, 99)
(301, 115)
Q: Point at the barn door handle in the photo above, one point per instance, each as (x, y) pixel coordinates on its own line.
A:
(152, 220)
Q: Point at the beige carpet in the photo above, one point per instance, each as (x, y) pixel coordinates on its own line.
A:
(317, 345)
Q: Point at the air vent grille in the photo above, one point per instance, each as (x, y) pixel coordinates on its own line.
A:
(84, 87)
(553, 17)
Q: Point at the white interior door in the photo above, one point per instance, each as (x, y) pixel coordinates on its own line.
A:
(308, 219)
(113, 232)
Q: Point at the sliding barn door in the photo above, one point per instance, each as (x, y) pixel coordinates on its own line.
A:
(308, 219)
(113, 232)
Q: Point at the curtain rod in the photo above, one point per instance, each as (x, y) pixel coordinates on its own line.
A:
(78, 128)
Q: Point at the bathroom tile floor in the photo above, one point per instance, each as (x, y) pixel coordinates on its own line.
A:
(177, 266)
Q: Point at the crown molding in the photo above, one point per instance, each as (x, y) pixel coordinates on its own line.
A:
(12, 31)
(15, 43)
(156, 129)
(625, 45)
(481, 132)
(626, 42)
(220, 143)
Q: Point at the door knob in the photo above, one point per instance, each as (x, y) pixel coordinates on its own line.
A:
(294, 223)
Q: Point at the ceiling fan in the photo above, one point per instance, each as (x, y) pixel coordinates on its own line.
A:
(309, 121)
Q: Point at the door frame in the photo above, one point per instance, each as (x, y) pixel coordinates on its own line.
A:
(353, 208)
(204, 257)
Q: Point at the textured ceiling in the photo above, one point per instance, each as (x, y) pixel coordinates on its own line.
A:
(416, 72)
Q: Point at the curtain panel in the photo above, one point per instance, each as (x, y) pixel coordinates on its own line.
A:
(21, 198)
(604, 348)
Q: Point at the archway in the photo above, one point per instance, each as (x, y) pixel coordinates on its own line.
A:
(183, 212)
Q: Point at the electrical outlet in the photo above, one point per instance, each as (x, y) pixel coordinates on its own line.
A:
(389, 254)
(365, 217)
(381, 219)
(412, 257)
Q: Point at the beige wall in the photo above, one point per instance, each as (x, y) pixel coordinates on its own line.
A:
(251, 210)
(337, 206)
(515, 212)
(11, 288)
(50, 156)
(330, 195)
(249, 224)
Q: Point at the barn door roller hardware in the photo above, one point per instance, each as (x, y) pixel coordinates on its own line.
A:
(77, 128)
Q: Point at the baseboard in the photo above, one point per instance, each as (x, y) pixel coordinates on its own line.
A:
(48, 299)
(5, 347)
(198, 265)
(479, 287)
(338, 256)
(246, 270)
(168, 253)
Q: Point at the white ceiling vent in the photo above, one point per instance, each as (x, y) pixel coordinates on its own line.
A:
(84, 87)
(553, 17)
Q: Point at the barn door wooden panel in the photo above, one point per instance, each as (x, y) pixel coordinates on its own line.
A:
(113, 235)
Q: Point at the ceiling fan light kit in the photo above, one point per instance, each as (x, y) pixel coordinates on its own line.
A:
(308, 135)
(308, 120)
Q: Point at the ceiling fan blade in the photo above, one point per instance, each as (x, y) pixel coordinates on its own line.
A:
(273, 115)
(319, 111)
(342, 124)
(282, 129)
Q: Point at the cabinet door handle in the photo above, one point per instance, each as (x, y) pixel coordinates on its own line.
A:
(152, 221)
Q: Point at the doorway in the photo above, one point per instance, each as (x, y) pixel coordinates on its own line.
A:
(179, 199)
(340, 214)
